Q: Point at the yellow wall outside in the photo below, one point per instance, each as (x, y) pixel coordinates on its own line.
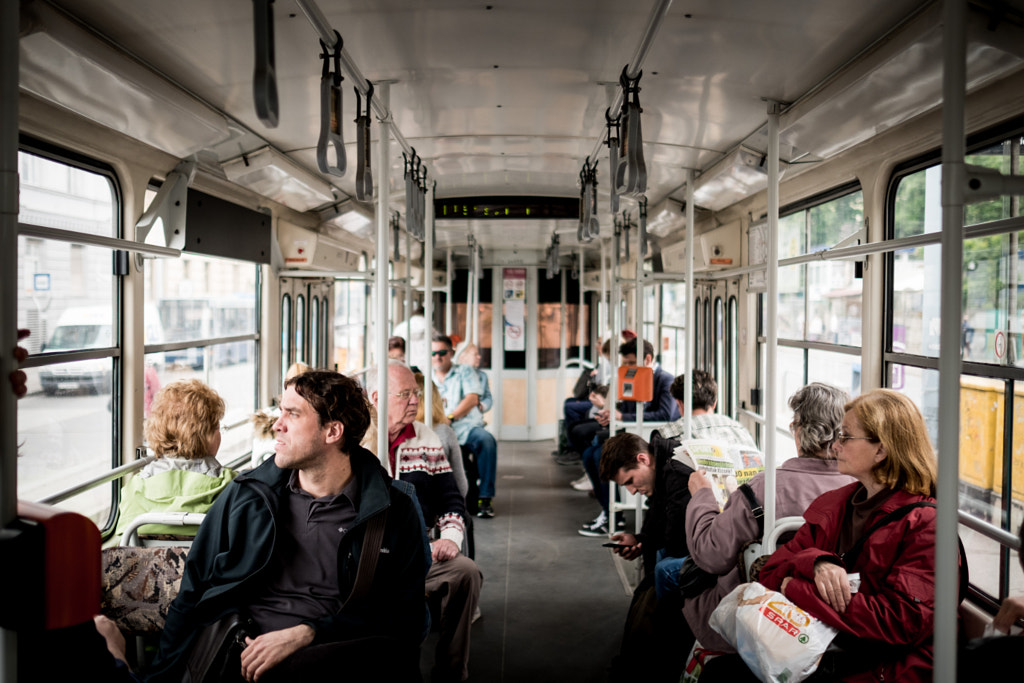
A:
(981, 436)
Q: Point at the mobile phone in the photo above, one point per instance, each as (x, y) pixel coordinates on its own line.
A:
(615, 545)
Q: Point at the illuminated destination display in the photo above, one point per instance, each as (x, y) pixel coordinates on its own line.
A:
(507, 207)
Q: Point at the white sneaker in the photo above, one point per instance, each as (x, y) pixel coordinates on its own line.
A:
(476, 615)
(582, 484)
(597, 528)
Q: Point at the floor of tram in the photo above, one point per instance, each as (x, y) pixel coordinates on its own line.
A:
(553, 602)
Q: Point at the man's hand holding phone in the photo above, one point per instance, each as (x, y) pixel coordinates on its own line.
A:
(625, 545)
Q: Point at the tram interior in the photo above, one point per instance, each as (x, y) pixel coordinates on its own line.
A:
(502, 107)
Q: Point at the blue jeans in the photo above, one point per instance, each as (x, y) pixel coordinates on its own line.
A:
(666, 573)
(483, 446)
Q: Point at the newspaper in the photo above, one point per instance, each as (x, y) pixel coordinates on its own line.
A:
(727, 465)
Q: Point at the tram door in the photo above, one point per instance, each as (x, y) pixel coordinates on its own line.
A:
(307, 322)
(714, 336)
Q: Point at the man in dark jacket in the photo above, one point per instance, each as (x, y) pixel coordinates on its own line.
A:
(661, 408)
(283, 544)
(660, 651)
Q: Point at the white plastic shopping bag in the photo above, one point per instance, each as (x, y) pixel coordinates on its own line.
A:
(780, 642)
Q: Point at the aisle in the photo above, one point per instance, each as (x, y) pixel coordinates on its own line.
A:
(553, 604)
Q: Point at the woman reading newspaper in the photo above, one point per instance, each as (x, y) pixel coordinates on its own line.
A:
(715, 536)
(880, 530)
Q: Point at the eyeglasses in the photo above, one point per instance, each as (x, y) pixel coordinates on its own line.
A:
(442, 353)
(408, 394)
(842, 438)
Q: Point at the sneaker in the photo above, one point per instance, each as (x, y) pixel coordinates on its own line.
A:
(582, 484)
(484, 508)
(620, 524)
(597, 528)
(476, 615)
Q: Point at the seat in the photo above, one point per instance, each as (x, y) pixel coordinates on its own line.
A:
(131, 537)
(755, 553)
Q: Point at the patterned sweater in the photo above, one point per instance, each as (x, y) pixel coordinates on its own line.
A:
(422, 463)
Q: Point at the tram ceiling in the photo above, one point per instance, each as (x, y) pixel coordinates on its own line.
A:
(509, 98)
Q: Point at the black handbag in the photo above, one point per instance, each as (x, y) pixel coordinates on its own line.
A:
(693, 580)
(217, 651)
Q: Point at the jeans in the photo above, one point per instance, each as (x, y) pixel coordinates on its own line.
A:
(483, 446)
(666, 573)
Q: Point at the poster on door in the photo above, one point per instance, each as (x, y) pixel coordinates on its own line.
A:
(513, 289)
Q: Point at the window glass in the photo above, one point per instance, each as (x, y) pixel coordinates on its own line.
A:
(916, 285)
(719, 343)
(734, 362)
(300, 329)
(698, 334)
(830, 223)
(792, 229)
(834, 299)
(791, 302)
(349, 325)
(838, 369)
(286, 337)
(314, 333)
(789, 368)
(66, 299)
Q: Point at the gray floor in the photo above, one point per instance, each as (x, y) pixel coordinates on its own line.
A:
(553, 603)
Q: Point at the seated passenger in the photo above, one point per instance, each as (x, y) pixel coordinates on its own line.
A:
(283, 544)
(885, 627)
(470, 355)
(415, 455)
(461, 390)
(706, 425)
(396, 348)
(659, 409)
(183, 430)
(626, 459)
(444, 431)
(716, 538)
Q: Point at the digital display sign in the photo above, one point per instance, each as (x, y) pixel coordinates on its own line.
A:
(507, 207)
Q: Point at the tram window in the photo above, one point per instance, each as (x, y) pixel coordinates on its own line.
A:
(673, 326)
(349, 325)
(66, 298)
(838, 369)
(719, 342)
(286, 337)
(300, 329)
(314, 332)
(324, 324)
(733, 381)
(698, 334)
(707, 342)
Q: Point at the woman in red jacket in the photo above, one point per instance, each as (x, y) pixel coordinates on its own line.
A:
(885, 625)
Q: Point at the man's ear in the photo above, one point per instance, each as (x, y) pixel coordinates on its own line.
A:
(373, 397)
(644, 459)
(335, 432)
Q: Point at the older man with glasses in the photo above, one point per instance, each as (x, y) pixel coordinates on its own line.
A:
(461, 389)
(416, 455)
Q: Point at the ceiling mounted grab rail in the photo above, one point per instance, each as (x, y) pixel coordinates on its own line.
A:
(327, 35)
(635, 65)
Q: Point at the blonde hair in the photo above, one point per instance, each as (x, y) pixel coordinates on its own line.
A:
(893, 420)
(296, 369)
(183, 417)
(437, 410)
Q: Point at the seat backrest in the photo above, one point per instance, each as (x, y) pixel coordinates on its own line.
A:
(139, 585)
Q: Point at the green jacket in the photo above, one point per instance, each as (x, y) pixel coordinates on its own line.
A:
(170, 491)
(227, 564)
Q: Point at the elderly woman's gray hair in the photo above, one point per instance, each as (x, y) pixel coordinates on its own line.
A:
(818, 411)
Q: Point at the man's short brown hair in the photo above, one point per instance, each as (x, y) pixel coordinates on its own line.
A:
(619, 452)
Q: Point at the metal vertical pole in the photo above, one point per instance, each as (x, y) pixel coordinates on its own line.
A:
(580, 281)
(383, 288)
(603, 323)
(9, 13)
(408, 281)
(563, 328)
(950, 364)
(638, 298)
(690, 308)
(448, 320)
(771, 382)
(428, 310)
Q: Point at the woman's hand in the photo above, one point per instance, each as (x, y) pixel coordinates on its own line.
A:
(697, 482)
(833, 584)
